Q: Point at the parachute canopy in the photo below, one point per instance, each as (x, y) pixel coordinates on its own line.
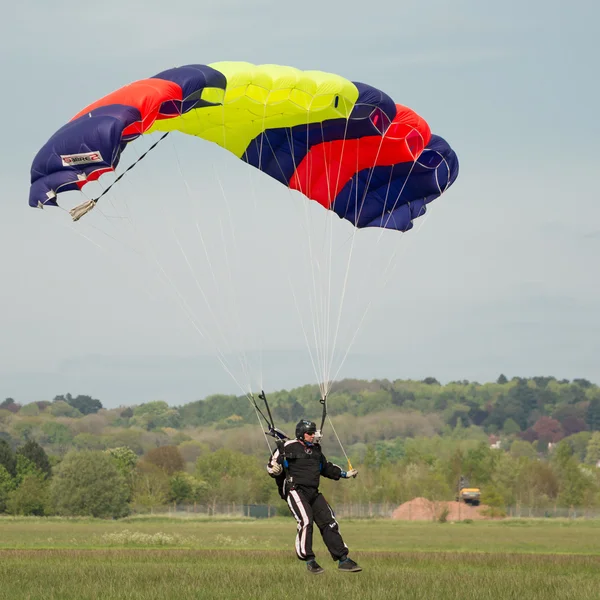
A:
(344, 144)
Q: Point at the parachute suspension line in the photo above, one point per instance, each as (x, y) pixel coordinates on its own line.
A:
(182, 302)
(320, 324)
(252, 173)
(318, 299)
(240, 330)
(347, 275)
(221, 334)
(316, 323)
(385, 276)
(330, 355)
(244, 363)
(329, 228)
(339, 442)
(304, 332)
(391, 263)
(391, 211)
(78, 211)
(314, 357)
(184, 306)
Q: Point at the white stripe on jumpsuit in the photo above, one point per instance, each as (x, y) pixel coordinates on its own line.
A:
(303, 522)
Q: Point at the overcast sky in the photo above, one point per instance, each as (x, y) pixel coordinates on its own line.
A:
(500, 276)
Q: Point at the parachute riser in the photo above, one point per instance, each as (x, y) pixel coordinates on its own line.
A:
(319, 432)
(273, 431)
(85, 207)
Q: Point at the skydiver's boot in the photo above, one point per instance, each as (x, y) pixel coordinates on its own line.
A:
(347, 565)
(314, 567)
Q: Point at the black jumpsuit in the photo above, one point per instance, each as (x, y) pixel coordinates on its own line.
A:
(303, 466)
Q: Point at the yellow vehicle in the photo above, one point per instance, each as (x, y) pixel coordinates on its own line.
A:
(466, 494)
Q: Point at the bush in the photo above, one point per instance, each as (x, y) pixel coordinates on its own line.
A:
(493, 512)
(443, 518)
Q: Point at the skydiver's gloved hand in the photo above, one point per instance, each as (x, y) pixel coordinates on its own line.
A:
(275, 468)
(351, 473)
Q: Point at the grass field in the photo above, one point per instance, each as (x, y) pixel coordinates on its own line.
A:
(156, 558)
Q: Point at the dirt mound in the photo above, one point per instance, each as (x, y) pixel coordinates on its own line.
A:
(421, 509)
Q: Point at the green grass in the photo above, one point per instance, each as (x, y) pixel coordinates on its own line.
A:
(82, 559)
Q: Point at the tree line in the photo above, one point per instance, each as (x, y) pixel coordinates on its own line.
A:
(117, 482)
(533, 442)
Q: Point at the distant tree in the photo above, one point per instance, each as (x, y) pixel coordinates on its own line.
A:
(593, 414)
(88, 483)
(232, 476)
(151, 486)
(573, 483)
(4, 435)
(127, 413)
(7, 458)
(507, 407)
(5, 417)
(573, 425)
(542, 382)
(89, 441)
(502, 379)
(579, 443)
(529, 435)
(592, 456)
(154, 415)
(524, 396)
(11, 405)
(37, 455)
(537, 484)
(400, 396)
(289, 411)
(572, 394)
(56, 433)
(86, 405)
(562, 456)
(60, 408)
(7, 484)
(167, 458)
(478, 463)
(23, 429)
(564, 411)
(63, 398)
(548, 430)
(584, 383)
(125, 458)
(458, 413)
(521, 448)
(477, 415)
(25, 468)
(30, 410)
(30, 498)
(511, 427)
(431, 381)
(132, 438)
(185, 488)
(191, 450)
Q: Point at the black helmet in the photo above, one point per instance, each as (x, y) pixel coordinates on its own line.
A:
(303, 427)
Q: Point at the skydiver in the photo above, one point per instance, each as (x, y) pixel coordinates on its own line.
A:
(297, 467)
